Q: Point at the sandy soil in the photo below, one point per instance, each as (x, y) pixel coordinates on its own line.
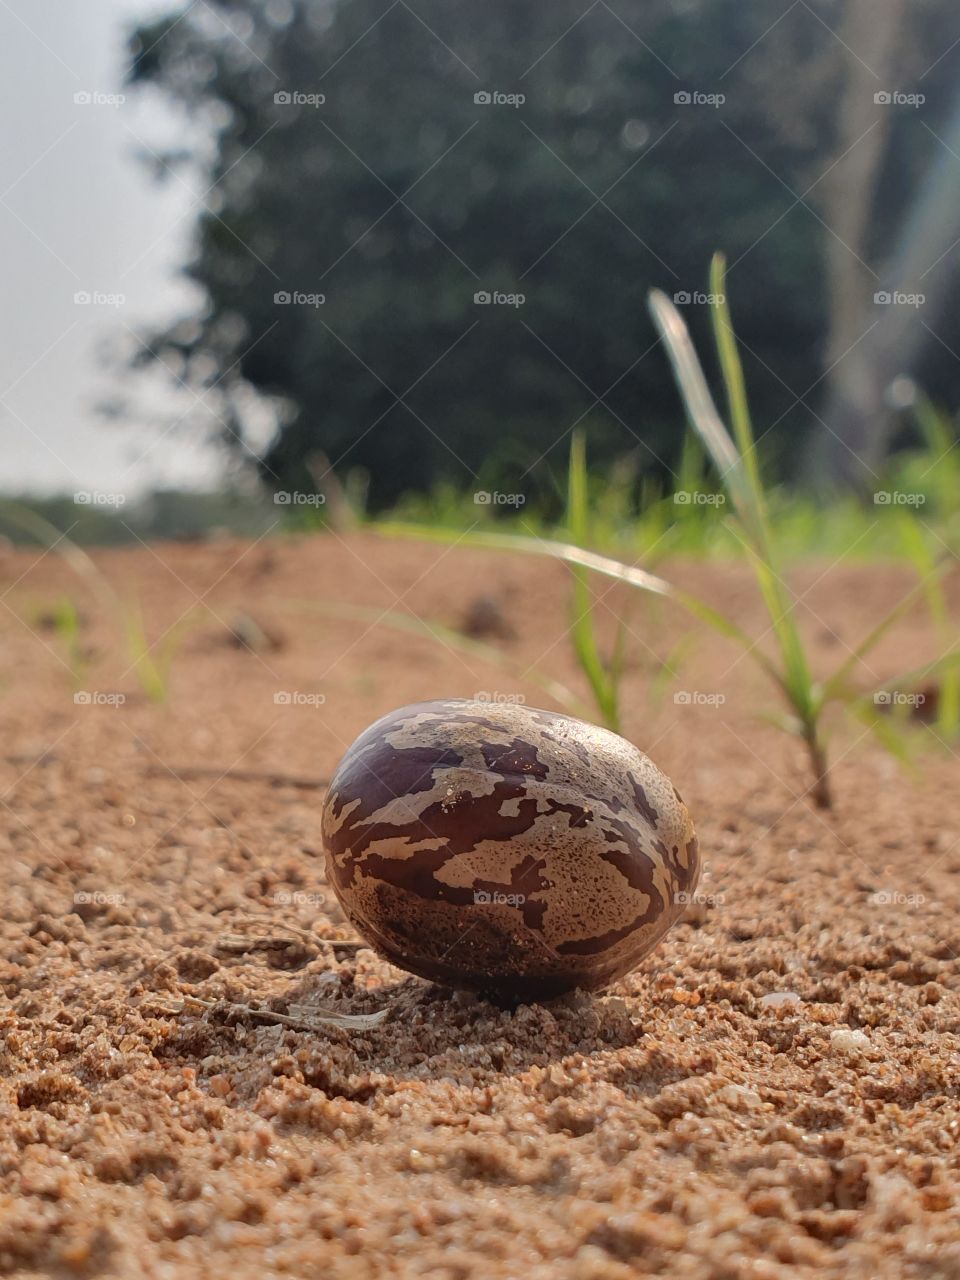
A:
(773, 1093)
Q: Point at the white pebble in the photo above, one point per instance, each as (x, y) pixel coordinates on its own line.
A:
(849, 1043)
(739, 1098)
(779, 999)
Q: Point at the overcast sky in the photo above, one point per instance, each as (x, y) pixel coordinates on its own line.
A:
(80, 214)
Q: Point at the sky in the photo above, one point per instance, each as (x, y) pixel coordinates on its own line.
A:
(81, 215)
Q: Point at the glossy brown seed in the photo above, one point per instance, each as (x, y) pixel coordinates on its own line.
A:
(505, 849)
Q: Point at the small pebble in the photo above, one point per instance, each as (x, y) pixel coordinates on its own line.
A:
(850, 1044)
(739, 1098)
(779, 999)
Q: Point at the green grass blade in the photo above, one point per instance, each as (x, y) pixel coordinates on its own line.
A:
(169, 643)
(797, 679)
(702, 413)
(691, 466)
(66, 622)
(935, 428)
(734, 383)
(582, 628)
(888, 733)
(603, 565)
(836, 688)
(151, 678)
(948, 710)
(775, 592)
(51, 537)
(740, 478)
(670, 666)
(619, 656)
(946, 663)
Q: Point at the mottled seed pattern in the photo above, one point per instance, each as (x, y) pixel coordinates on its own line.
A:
(506, 849)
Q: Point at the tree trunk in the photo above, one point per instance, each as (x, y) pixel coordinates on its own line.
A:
(889, 338)
(871, 31)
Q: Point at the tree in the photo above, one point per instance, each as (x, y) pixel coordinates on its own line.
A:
(401, 197)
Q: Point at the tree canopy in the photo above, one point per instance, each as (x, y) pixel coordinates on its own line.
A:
(378, 168)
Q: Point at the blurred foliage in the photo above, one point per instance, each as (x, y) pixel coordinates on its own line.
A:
(165, 514)
(399, 198)
(648, 528)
